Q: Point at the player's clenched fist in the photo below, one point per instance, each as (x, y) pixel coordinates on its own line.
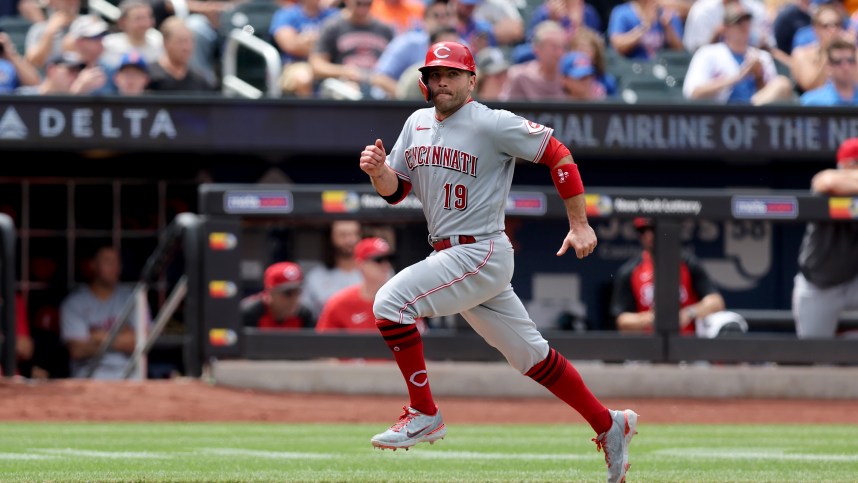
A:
(372, 159)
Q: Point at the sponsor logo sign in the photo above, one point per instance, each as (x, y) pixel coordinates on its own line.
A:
(657, 206)
(526, 204)
(222, 337)
(221, 289)
(841, 208)
(764, 207)
(219, 241)
(368, 201)
(258, 202)
(598, 205)
(340, 201)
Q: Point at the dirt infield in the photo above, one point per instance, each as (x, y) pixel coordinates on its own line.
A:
(194, 400)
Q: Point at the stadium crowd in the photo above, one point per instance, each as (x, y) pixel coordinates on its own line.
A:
(720, 51)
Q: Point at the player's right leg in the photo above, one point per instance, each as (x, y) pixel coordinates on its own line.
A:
(445, 283)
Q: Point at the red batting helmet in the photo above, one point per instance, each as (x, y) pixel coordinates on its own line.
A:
(445, 54)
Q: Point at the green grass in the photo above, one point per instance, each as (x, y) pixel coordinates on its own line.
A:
(471, 453)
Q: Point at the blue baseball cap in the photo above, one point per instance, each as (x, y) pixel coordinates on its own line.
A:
(576, 65)
(133, 59)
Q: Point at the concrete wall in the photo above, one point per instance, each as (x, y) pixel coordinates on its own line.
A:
(640, 380)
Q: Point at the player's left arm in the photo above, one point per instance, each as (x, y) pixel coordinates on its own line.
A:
(567, 180)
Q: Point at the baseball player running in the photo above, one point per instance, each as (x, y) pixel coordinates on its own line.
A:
(458, 158)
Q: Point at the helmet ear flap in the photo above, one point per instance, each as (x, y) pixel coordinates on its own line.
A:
(423, 81)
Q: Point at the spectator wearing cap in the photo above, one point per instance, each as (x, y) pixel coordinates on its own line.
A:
(827, 280)
(62, 73)
(701, 306)
(582, 81)
(15, 70)
(278, 306)
(408, 49)
(136, 32)
(492, 68)
(132, 75)
(841, 88)
(641, 29)
(733, 71)
(45, 39)
(809, 61)
(539, 79)
(705, 24)
(86, 37)
(350, 309)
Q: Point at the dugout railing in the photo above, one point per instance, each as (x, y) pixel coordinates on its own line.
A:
(7, 292)
(180, 237)
(223, 207)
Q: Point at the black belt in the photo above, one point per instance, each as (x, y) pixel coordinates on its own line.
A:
(445, 243)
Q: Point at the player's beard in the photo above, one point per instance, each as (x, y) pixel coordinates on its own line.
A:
(447, 105)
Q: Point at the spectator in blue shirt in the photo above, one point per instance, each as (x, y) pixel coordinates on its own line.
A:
(640, 29)
(295, 31)
(15, 70)
(840, 89)
(572, 15)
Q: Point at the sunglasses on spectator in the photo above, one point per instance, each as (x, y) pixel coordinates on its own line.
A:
(381, 259)
(845, 60)
(363, 4)
(829, 25)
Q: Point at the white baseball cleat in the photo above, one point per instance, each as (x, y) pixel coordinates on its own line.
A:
(615, 442)
(413, 427)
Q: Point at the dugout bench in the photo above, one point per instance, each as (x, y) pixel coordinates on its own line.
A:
(211, 240)
(222, 208)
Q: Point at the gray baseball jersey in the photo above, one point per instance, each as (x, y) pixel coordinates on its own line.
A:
(461, 170)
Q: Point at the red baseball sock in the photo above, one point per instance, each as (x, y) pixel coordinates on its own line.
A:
(407, 346)
(560, 377)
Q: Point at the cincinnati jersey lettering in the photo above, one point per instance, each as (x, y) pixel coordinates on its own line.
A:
(441, 157)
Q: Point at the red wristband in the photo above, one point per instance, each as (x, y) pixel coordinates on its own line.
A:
(567, 180)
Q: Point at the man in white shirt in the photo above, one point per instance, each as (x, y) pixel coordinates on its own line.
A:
(732, 71)
(705, 26)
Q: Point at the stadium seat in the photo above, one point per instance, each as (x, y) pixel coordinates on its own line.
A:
(645, 90)
(253, 17)
(17, 28)
(675, 61)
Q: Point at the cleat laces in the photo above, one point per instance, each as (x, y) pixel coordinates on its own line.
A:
(600, 445)
(403, 420)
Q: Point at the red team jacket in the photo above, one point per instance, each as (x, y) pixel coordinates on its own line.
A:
(346, 310)
(634, 288)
